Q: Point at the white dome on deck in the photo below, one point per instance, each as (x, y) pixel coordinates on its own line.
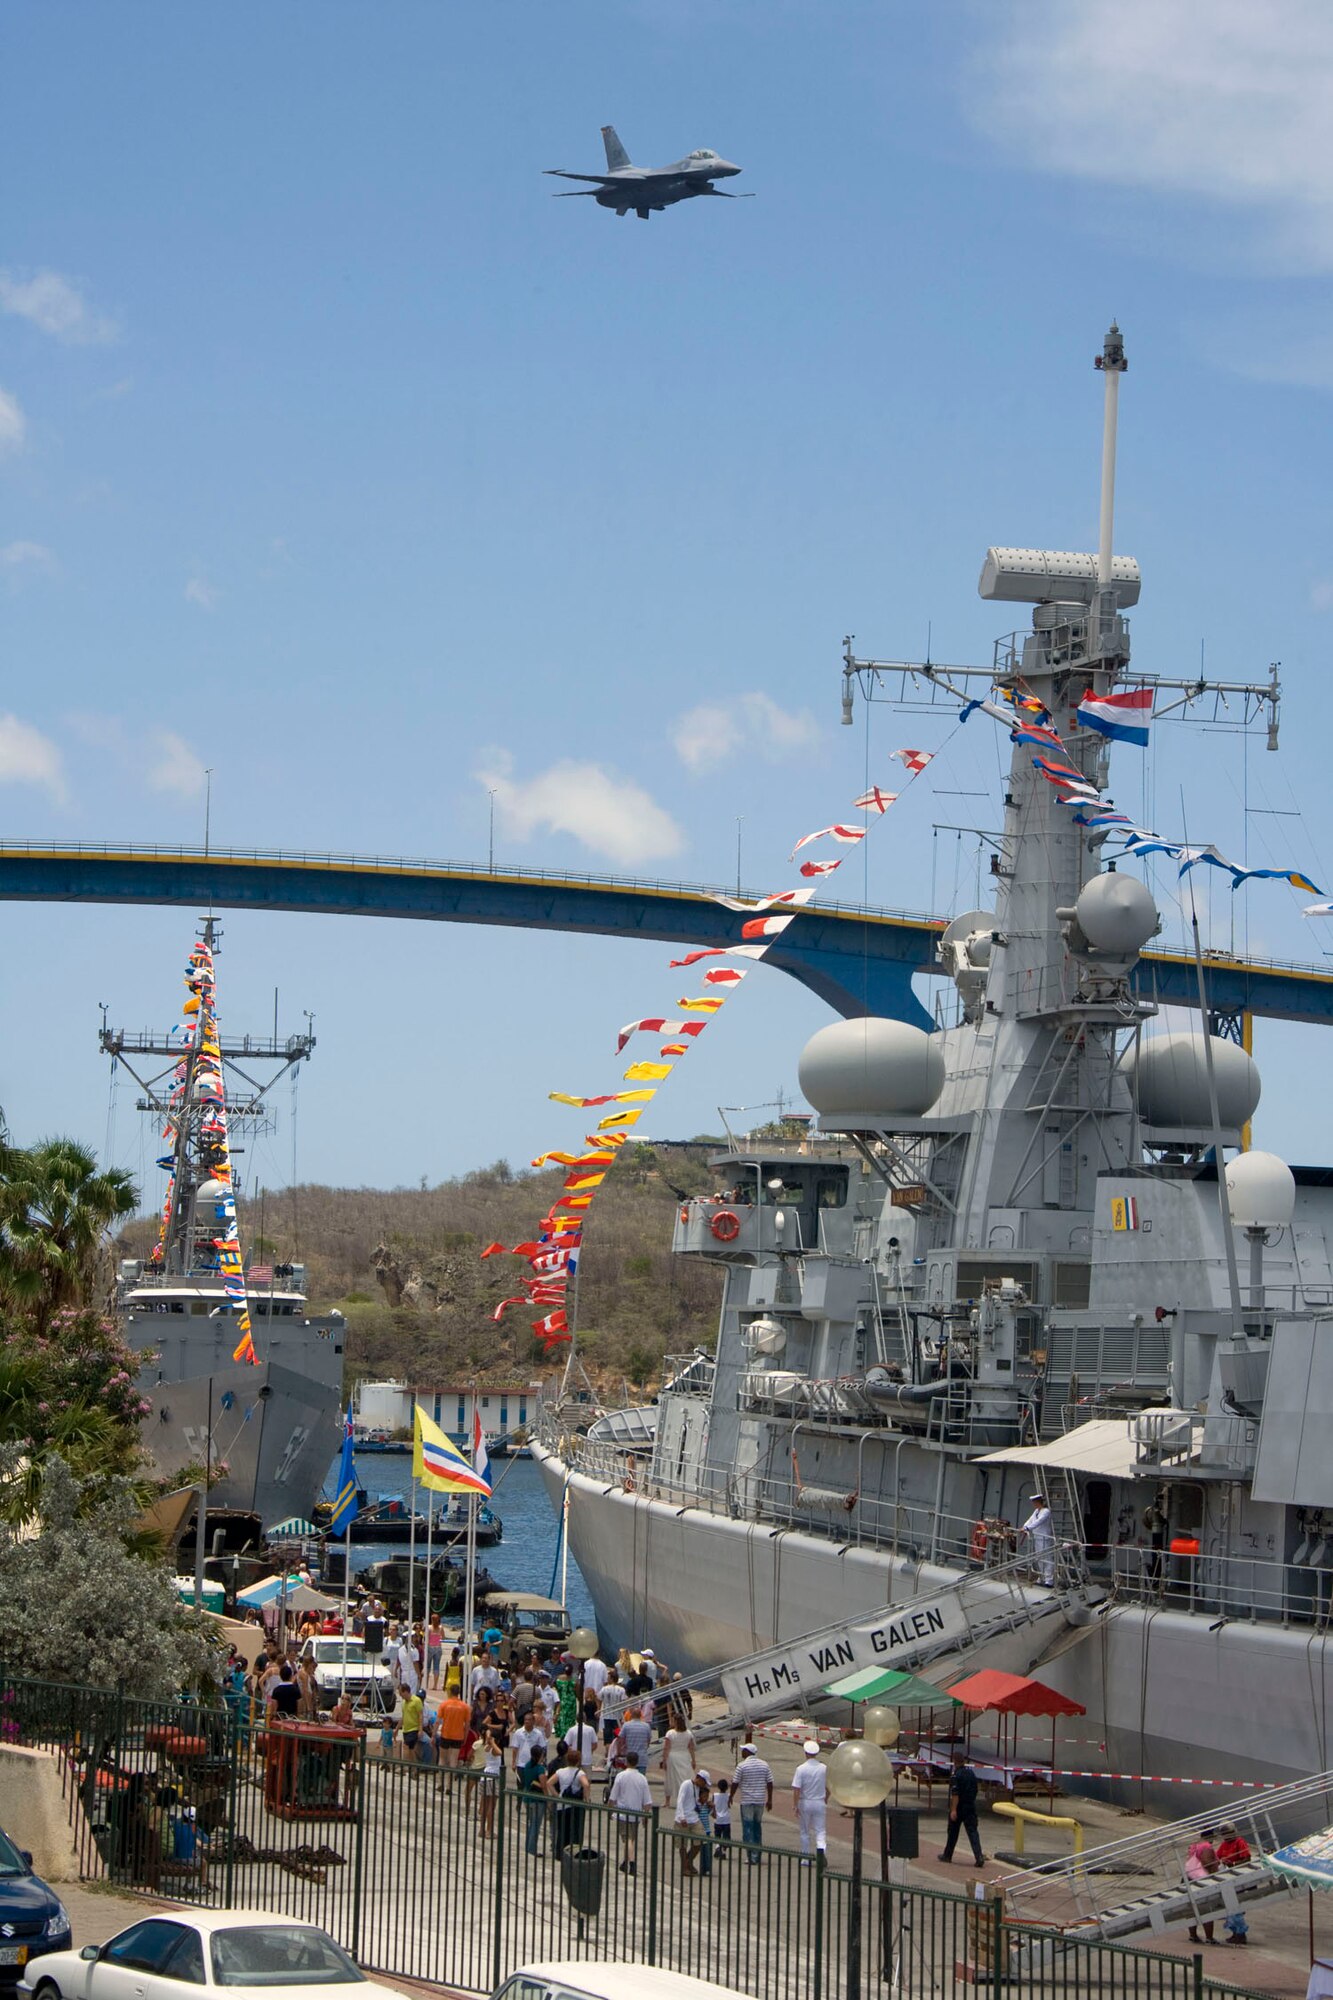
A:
(1261, 1191)
(870, 1070)
(1171, 1073)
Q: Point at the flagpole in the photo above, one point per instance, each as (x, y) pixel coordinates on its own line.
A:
(425, 1621)
(469, 1594)
(412, 1560)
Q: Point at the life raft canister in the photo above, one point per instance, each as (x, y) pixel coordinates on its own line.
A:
(725, 1226)
(980, 1542)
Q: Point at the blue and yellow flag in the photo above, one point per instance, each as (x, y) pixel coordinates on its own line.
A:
(345, 1509)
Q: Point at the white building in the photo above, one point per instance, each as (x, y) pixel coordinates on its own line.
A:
(504, 1407)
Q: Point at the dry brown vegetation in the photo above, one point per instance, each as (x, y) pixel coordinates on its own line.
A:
(404, 1265)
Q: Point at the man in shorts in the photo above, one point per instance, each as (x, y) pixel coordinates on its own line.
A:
(632, 1801)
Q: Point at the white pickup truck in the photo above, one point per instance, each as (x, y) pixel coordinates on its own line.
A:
(368, 1679)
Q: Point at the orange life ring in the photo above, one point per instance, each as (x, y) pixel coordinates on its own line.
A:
(725, 1226)
(980, 1542)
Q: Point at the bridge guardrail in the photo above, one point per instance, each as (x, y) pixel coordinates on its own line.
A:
(576, 878)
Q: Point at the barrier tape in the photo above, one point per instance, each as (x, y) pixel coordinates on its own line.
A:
(798, 1732)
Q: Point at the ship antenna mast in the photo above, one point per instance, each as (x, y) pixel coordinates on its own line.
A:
(1113, 364)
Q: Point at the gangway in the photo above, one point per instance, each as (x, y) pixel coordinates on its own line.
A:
(954, 1622)
(1088, 1898)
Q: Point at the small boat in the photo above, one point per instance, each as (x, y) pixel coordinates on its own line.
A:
(388, 1579)
(451, 1524)
(387, 1518)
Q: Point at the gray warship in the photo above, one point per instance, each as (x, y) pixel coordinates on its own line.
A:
(1027, 1252)
(243, 1379)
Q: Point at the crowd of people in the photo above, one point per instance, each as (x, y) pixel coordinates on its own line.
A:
(556, 1729)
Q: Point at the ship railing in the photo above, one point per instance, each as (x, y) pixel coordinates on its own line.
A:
(907, 1531)
(1227, 1589)
(1152, 1863)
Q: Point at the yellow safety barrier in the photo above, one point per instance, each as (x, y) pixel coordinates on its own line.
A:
(1022, 1817)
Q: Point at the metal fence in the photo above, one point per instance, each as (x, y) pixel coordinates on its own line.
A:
(422, 1876)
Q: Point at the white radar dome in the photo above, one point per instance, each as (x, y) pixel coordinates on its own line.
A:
(213, 1191)
(1116, 914)
(871, 1070)
(1171, 1074)
(1261, 1191)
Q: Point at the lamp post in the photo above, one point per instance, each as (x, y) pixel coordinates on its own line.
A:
(859, 1777)
(881, 1725)
(582, 1644)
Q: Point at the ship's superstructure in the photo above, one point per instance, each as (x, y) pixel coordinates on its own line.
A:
(244, 1381)
(1026, 1266)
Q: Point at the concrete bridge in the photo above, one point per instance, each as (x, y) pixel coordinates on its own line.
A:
(858, 962)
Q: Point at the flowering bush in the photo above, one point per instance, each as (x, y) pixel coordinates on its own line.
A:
(72, 1387)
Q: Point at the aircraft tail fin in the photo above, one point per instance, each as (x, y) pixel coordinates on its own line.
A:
(616, 156)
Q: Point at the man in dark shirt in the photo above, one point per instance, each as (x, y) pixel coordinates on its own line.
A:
(963, 1808)
(285, 1697)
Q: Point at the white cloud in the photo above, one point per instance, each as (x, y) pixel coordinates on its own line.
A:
(1231, 102)
(29, 758)
(203, 593)
(156, 758)
(55, 306)
(609, 815)
(13, 426)
(173, 765)
(708, 735)
(17, 557)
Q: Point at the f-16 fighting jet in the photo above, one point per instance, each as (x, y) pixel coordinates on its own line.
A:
(624, 187)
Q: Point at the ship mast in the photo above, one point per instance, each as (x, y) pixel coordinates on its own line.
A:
(208, 1093)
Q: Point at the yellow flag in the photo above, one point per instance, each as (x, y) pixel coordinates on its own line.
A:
(437, 1463)
(705, 1006)
(620, 1118)
(646, 1072)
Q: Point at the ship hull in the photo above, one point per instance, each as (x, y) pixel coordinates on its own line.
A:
(1167, 1695)
(269, 1433)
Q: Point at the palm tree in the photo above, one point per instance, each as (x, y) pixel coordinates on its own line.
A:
(55, 1210)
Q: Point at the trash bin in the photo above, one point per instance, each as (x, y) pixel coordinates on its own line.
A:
(582, 1871)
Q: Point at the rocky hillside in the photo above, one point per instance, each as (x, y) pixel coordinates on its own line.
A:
(403, 1264)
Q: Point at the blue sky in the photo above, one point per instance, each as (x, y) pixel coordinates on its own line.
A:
(336, 456)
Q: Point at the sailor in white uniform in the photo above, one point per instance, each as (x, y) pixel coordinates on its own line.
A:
(1041, 1531)
(810, 1784)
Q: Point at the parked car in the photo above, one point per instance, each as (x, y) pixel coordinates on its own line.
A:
(33, 1920)
(248, 1952)
(369, 1681)
(587, 1979)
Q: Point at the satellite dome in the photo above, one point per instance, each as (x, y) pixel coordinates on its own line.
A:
(1261, 1191)
(1116, 914)
(871, 1070)
(214, 1191)
(1171, 1074)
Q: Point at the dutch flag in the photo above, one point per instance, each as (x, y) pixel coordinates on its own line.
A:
(1123, 717)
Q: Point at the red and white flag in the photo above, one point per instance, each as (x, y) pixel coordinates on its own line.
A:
(913, 760)
(875, 800)
(723, 975)
(656, 1026)
(766, 902)
(720, 951)
(848, 835)
(819, 867)
(766, 927)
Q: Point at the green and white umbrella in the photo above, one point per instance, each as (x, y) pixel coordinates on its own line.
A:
(893, 1689)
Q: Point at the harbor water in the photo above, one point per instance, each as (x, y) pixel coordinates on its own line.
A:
(528, 1556)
